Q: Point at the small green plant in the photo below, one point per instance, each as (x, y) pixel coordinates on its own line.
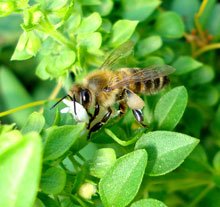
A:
(45, 157)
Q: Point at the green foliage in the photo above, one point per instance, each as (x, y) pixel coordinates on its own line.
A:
(20, 168)
(148, 202)
(166, 150)
(170, 108)
(46, 159)
(125, 177)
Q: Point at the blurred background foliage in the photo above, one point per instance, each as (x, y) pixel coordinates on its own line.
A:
(46, 46)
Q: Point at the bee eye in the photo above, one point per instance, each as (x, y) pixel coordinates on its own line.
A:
(85, 96)
(107, 89)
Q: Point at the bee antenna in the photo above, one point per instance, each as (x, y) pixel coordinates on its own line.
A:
(61, 100)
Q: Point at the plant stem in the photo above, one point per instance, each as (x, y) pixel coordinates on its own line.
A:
(25, 106)
(78, 200)
(119, 141)
(201, 195)
(206, 48)
(50, 30)
(197, 16)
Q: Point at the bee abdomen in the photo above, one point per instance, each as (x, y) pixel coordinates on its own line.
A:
(148, 86)
(154, 85)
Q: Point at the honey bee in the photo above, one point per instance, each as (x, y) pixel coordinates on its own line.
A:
(102, 88)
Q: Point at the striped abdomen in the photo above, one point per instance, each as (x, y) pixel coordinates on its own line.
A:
(144, 81)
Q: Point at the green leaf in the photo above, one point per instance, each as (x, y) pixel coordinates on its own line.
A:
(149, 45)
(60, 139)
(14, 95)
(41, 69)
(52, 5)
(6, 8)
(206, 95)
(58, 63)
(140, 10)
(169, 25)
(122, 31)
(6, 128)
(121, 183)
(166, 150)
(197, 161)
(90, 24)
(207, 12)
(91, 2)
(170, 108)
(8, 140)
(53, 180)
(186, 64)
(102, 162)
(28, 45)
(91, 41)
(104, 8)
(216, 161)
(35, 122)
(187, 10)
(150, 202)
(48, 201)
(20, 170)
(203, 75)
(214, 21)
(73, 22)
(153, 60)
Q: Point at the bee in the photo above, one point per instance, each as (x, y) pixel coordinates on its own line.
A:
(102, 88)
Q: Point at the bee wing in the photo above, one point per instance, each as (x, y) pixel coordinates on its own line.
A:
(122, 51)
(143, 74)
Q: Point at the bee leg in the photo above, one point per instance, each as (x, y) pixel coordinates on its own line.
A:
(139, 116)
(98, 125)
(97, 109)
(122, 108)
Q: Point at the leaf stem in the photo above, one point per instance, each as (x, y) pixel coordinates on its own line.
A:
(78, 200)
(201, 195)
(49, 29)
(206, 48)
(119, 141)
(25, 106)
(196, 18)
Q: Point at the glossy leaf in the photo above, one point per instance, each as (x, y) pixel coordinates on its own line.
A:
(105, 7)
(141, 10)
(122, 31)
(214, 21)
(53, 180)
(150, 202)
(91, 41)
(187, 10)
(203, 75)
(35, 122)
(60, 139)
(90, 24)
(57, 64)
(169, 25)
(186, 64)
(166, 150)
(120, 184)
(149, 45)
(28, 46)
(20, 170)
(170, 108)
(102, 162)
